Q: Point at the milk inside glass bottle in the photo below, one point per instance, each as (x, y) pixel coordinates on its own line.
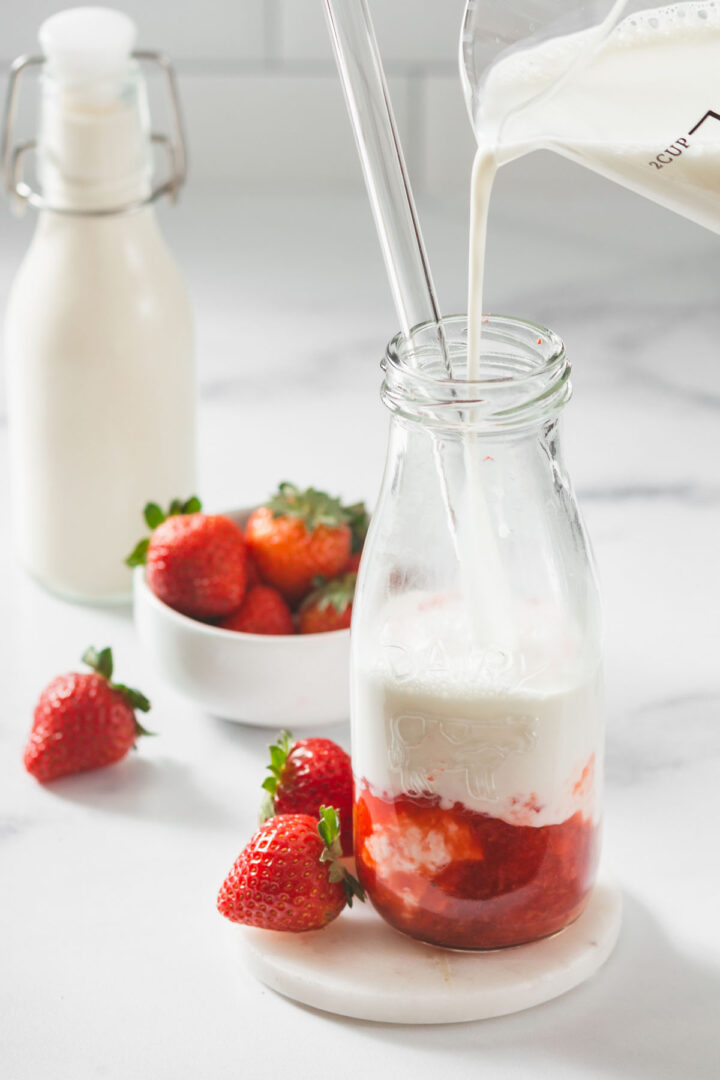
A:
(98, 330)
(476, 677)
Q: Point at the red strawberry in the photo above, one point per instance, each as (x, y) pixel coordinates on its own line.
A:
(263, 611)
(288, 876)
(83, 721)
(308, 774)
(252, 574)
(328, 607)
(353, 563)
(297, 536)
(196, 563)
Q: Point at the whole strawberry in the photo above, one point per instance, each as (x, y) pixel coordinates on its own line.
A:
(297, 536)
(329, 607)
(263, 611)
(288, 877)
(83, 721)
(196, 563)
(306, 775)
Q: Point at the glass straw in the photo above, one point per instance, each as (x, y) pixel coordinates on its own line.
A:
(363, 81)
(396, 221)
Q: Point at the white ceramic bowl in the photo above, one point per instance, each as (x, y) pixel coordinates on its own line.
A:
(261, 679)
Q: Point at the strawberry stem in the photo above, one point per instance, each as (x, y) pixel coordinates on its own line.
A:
(153, 515)
(329, 830)
(140, 730)
(138, 555)
(311, 506)
(133, 697)
(101, 662)
(359, 522)
(279, 751)
(338, 593)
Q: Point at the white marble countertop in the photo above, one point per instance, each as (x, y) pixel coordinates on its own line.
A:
(114, 961)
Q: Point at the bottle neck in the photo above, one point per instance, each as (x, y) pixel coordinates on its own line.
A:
(519, 385)
(94, 143)
(474, 438)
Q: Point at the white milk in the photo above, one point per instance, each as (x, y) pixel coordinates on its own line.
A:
(526, 758)
(99, 342)
(630, 112)
(522, 744)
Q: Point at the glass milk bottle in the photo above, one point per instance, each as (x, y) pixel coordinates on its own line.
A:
(98, 328)
(476, 676)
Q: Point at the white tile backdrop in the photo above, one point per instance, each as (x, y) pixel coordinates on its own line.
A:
(262, 98)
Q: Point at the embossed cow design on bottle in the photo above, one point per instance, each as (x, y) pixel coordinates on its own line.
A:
(477, 748)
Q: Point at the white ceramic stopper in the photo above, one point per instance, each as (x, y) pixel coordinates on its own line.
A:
(86, 43)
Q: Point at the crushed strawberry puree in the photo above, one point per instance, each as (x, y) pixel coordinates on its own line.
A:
(467, 880)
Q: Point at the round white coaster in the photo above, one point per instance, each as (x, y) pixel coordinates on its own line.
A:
(359, 966)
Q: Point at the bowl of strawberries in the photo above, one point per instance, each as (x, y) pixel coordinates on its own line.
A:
(247, 613)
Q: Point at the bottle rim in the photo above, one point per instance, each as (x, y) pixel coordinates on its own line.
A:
(525, 374)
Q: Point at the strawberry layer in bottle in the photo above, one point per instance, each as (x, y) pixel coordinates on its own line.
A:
(476, 804)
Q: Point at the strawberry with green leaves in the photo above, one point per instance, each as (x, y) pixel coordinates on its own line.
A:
(328, 607)
(296, 537)
(154, 515)
(289, 876)
(307, 774)
(83, 721)
(195, 563)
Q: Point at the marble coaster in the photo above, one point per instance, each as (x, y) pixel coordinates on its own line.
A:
(358, 966)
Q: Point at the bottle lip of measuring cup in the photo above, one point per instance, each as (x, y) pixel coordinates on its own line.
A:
(94, 141)
(525, 375)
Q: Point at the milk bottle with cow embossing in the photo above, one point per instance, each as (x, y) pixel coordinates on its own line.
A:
(476, 675)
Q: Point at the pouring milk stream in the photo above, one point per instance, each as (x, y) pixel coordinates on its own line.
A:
(636, 100)
(632, 100)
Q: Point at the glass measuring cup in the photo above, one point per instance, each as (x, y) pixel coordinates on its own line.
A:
(477, 751)
(626, 88)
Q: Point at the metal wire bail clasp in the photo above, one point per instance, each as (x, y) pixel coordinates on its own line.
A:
(22, 194)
